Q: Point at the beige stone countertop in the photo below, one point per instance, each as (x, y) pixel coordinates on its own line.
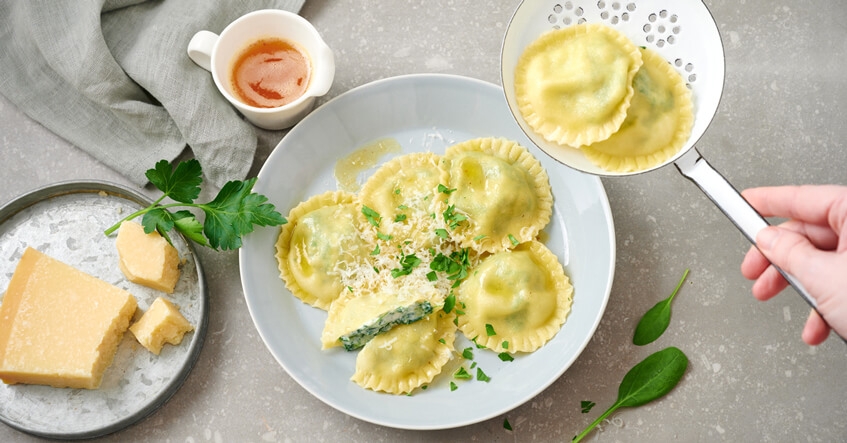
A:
(750, 377)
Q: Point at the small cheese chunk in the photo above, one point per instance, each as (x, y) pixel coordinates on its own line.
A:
(161, 323)
(147, 259)
(59, 326)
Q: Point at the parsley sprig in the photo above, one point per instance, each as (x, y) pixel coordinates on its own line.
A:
(231, 214)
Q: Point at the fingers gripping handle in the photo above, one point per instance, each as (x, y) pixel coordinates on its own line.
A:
(694, 167)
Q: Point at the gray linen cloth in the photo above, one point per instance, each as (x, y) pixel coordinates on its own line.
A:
(113, 78)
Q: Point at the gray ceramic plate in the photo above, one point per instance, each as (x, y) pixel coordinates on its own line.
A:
(66, 221)
(425, 112)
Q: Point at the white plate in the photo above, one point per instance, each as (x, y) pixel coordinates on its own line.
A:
(426, 112)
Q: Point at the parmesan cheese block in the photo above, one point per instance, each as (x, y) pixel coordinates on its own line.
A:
(59, 326)
(161, 323)
(147, 259)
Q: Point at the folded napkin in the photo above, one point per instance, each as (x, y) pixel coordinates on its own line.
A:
(113, 78)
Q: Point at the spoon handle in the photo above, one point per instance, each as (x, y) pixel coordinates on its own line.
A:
(694, 167)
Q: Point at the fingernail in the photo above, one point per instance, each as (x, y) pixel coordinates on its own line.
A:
(766, 238)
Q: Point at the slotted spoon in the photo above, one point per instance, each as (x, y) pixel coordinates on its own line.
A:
(685, 34)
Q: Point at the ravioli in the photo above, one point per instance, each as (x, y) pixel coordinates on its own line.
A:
(355, 318)
(313, 248)
(658, 122)
(502, 190)
(404, 192)
(573, 85)
(408, 356)
(522, 294)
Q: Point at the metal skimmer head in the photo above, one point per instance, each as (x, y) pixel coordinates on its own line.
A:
(682, 31)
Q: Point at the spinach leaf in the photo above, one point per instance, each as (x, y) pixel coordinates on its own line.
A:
(654, 377)
(657, 319)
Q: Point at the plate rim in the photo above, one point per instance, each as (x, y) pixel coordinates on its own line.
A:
(42, 193)
(483, 87)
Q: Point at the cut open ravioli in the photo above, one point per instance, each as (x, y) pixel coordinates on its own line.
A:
(408, 356)
(404, 192)
(356, 318)
(658, 121)
(315, 246)
(502, 189)
(573, 85)
(522, 294)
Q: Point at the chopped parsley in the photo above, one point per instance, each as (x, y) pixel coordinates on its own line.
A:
(445, 190)
(407, 263)
(455, 266)
(375, 251)
(514, 241)
(505, 356)
(586, 406)
(371, 215)
(489, 330)
(449, 303)
(481, 376)
(463, 374)
(453, 218)
(442, 233)
(467, 353)
(400, 217)
(478, 346)
(453, 386)
(506, 425)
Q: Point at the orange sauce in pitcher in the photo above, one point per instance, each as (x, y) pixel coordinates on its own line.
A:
(270, 72)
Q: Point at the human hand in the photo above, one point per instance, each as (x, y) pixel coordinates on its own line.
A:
(811, 246)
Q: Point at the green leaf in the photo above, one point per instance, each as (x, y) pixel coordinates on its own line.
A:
(449, 303)
(453, 218)
(587, 406)
(234, 212)
(159, 220)
(656, 320)
(182, 184)
(513, 240)
(654, 377)
(189, 226)
(372, 216)
(407, 263)
(445, 190)
(481, 376)
(462, 374)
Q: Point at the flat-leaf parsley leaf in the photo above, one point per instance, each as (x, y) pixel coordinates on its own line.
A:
(232, 213)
